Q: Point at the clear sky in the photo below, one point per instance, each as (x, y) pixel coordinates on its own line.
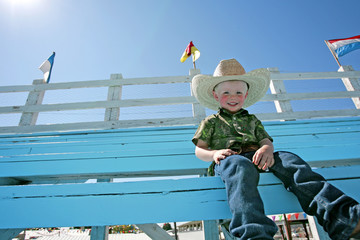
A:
(146, 38)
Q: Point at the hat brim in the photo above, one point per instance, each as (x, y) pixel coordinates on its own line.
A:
(203, 85)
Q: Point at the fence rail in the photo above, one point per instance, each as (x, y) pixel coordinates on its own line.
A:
(282, 100)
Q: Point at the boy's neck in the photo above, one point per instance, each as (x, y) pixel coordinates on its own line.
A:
(231, 113)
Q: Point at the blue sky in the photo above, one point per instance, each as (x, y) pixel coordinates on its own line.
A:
(146, 38)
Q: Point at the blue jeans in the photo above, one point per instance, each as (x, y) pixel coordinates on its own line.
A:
(336, 212)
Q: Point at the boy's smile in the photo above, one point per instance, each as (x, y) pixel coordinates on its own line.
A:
(231, 95)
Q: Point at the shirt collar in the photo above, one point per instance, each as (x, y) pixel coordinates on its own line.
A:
(225, 112)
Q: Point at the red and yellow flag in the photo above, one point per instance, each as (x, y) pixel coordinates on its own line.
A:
(190, 50)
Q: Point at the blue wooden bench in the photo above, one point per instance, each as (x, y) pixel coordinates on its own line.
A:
(44, 176)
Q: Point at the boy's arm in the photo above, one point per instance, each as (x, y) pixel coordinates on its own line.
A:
(203, 152)
(264, 156)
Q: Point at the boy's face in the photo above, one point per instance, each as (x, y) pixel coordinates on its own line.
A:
(231, 95)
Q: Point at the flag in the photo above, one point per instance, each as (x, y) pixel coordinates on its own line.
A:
(343, 46)
(46, 67)
(190, 49)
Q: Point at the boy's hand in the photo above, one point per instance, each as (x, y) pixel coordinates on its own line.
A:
(264, 157)
(222, 154)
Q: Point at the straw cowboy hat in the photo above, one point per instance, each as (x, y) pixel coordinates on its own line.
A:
(203, 85)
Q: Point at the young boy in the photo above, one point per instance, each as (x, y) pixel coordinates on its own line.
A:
(240, 148)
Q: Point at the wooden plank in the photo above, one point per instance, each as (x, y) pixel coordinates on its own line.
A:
(278, 87)
(211, 230)
(35, 98)
(308, 114)
(90, 136)
(173, 160)
(148, 148)
(280, 126)
(97, 134)
(309, 96)
(99, 233)
(314, 75)
(50, 205)
(167, 142)
(163, 145)
(155, 200)
(98, 104)
(351, 84)
(114, 93)
(170, 79)
(97, 83)
(64, 151)
(154, 231)
(161, 122)
(275, 129)
(123, 124)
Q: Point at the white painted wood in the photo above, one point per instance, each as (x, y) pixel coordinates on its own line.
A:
(171, 121)
(313, 228)
(351, 84)
(169, 79)
(211, 230)
(199, 111)
(154, 231)
(99, 104)
(34, 98)
(114, 93)
(161, 122)
(168, 101)
(97, 83)
(99, 233)
(114, 102)
(313, 75)
(310, 96)
(278, 87)
(317, 230)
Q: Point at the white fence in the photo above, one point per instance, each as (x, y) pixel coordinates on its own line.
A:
(114, 102)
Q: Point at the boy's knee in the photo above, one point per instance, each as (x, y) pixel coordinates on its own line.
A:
(288, 157)
(236, 162)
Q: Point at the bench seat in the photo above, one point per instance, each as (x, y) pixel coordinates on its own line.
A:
(43, 176)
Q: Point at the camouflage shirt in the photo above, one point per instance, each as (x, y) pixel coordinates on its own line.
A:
(224, 130)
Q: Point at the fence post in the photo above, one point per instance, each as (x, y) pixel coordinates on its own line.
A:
(278, 87)
(35, 97)
(351, 84)
(199, 112)
(111, 114)
(99, 233)
(114, 93)
(211, 230)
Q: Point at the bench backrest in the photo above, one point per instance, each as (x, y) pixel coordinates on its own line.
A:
(160, 151)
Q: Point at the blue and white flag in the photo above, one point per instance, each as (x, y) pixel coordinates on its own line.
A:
(46, 67)
(345, 45)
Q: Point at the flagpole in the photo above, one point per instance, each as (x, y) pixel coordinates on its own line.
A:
(194, 65)
(337, 60)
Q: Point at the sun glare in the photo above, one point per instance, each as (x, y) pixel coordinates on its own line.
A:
(17, 7)
(23, 3)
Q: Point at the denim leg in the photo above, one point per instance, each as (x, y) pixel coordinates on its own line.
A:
(241, 178)
(336, 212)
